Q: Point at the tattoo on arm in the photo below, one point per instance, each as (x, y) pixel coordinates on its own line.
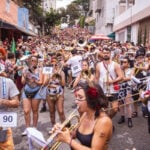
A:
(102, 134)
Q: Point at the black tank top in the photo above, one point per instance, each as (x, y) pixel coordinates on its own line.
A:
(85, 139)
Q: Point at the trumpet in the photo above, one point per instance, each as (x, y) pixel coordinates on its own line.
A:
(51, 145)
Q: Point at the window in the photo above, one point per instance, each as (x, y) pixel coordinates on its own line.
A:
(8, 6)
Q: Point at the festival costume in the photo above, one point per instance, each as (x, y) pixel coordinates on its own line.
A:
(108, 73)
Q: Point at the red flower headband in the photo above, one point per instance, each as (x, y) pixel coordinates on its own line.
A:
(92, 92)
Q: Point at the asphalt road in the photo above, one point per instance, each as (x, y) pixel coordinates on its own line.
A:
(124, 138)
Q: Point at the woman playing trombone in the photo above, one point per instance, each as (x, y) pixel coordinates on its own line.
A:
(125, 92)
(95, 127)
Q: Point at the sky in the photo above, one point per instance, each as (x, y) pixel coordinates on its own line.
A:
(62, 3)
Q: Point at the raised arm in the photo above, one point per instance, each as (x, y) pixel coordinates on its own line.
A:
(97, 73)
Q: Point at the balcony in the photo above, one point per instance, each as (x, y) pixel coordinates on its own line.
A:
(129, 1)
(132, 15)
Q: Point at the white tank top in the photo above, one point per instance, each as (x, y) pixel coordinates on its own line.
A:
(107, 75)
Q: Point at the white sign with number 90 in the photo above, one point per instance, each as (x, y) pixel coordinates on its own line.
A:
(8, 119)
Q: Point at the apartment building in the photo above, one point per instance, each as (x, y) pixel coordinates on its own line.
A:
(103, 11)
(132, 21)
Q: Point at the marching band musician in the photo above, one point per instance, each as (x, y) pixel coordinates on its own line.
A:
(55, 92)
(107, 74)
(84, 74)
(140, 68)
(32, 79)
(95, 127)
(125, 92)
(145, 98)
(75, 63)
(8, 99)
(148, 63)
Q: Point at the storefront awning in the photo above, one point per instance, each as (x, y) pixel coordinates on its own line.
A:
(25, 31)
(6, 25)
(111, 35)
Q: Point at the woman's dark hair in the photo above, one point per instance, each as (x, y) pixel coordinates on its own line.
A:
(95, 96)
(127, 58)
(85, 60)
(17, 54)
(10, 55)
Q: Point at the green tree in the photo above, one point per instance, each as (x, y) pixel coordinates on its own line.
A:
(52, 19)
(83, 3)
(82, 21)
(35, 10)
(73, 11)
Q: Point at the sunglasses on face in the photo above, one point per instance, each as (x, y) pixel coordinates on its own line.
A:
(33, 60)
(54, 65)
(140, 57)
(124, 62)
(79, 99)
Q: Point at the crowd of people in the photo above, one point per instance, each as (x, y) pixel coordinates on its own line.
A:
(106, 77)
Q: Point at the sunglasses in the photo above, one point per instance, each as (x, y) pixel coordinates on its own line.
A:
(79, 99)
(124, 62)
(33, 60)
(54, 65)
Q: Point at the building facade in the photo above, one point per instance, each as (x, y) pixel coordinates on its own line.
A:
(49, 4)
(132, 21)
(103, 11)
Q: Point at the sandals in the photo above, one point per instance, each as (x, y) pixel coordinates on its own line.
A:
(134, 114)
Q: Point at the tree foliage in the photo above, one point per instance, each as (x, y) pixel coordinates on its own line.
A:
(73, 11)
(82, 21)
(53, 18)
(35, 9)
(83, 3)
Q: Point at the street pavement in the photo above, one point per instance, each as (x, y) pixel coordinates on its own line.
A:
(124, 138)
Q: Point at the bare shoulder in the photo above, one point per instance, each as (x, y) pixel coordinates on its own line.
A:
(103, 127)
(103, 122)
(116, 63)
(98, 65)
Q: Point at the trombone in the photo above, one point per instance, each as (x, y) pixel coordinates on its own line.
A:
(106, 85)
(51, 145)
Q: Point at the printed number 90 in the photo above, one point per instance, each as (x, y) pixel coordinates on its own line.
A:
(7, 118)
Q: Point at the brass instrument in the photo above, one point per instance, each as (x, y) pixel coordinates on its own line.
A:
(81, 42)
(57, 73)
(122, 105)
(107, 85)
(51, 145)
(86, 74)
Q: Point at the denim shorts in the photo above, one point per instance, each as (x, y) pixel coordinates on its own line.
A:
(41, 94)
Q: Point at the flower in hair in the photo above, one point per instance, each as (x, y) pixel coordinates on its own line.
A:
(92, 92)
